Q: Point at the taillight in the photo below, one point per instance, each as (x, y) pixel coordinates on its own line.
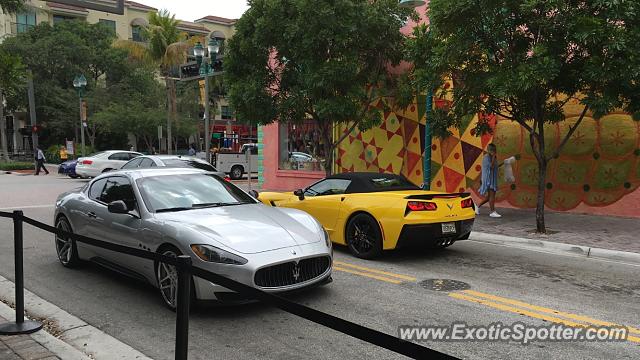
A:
(466, 203)
(421, 206)
(226, 178)
(87, 162)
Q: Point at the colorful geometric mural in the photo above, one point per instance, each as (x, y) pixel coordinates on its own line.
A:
(599, 164)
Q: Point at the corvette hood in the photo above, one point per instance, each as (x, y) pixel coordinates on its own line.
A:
(249, 229)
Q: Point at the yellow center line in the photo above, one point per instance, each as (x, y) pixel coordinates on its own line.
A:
(377, 277)
(547, 310)
(362, 268)
(528, 313)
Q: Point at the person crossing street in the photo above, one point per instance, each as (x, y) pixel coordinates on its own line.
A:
(40, 159)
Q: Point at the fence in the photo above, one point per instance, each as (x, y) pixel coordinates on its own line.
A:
(186, 270)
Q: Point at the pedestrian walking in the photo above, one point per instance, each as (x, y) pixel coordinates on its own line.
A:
(489, 178)
(192, 150)
(40, 159)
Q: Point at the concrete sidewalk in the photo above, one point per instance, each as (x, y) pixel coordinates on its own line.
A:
(597, 231)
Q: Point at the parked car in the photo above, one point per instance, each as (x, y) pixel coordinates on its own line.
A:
(237, 164)
(105, 161)
(173, 161)
(68, 168)
(300, 157)
(371, 212)
(192, 212)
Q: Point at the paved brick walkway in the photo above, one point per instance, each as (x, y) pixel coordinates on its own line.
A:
(607, 232)
(23, 347)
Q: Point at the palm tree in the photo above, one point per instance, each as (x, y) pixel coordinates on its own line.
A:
(167, 47)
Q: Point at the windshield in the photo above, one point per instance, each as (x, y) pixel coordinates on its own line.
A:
(189, 191)
(188, 163)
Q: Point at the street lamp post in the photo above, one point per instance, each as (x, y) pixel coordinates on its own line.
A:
(213, 47)
(80, 82)
(426, 170)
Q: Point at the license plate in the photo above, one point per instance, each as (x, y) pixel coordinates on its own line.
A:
(448, 228)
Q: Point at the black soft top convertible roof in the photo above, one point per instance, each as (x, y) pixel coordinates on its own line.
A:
(367, 182)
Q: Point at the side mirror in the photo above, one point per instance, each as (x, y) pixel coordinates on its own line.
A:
(299, 193)
(118, 207)
(254, 194)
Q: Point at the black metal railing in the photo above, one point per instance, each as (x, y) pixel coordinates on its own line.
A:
(186, 270)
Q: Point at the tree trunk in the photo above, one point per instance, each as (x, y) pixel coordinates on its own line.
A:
(3, 130)
(542, 183)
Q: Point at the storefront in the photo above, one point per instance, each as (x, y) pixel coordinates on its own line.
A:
(292, 155)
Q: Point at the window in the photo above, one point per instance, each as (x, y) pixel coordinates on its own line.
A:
(136, 33)
(96, 189)
(192, 191)
(300, 147)
(392, 182)
(226, 112)
(146, 163)
(25, 21)
(328, 187)
(180, 163)
(119, 188)
(109, 24)
(120, 156)
(132, 164)
(60, 18)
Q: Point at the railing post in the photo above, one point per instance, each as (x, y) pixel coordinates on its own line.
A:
(182, 308)
(20, 326)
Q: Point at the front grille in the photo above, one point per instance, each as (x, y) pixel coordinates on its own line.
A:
(291, 273)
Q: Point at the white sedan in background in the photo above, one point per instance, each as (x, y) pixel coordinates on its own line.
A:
(102, 162)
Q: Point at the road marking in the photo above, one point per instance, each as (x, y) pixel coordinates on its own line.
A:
(515, 310)
(26, 207)
(377, 277)
(547, 310)
(358, 267)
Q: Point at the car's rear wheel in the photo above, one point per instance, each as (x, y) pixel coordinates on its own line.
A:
(236, 172)
(65, 245)
(167, 277)
(363, 236)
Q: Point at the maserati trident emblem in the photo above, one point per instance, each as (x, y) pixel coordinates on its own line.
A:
(296, 272)
(450, 206)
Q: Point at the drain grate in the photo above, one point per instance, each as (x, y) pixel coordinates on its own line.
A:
(444, 285)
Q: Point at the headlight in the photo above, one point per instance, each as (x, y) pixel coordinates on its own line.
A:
(213, 254)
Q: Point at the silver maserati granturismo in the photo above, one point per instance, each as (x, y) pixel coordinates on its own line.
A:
(193, 212)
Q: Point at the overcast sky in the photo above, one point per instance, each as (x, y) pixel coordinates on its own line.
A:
(195, 9)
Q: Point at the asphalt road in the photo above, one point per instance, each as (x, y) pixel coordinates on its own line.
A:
(506, 285)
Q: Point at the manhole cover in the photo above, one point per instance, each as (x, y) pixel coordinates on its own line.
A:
(444, 285)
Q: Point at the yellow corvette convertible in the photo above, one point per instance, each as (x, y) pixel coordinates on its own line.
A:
(371, 212)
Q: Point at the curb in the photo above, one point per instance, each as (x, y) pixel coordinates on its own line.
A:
(78, 339)
(557, 248)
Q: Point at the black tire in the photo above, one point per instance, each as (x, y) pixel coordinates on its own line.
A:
(465, 236)
(66, 247)
(74, 176)
(236, 172)
(171, 251)
(363, 236)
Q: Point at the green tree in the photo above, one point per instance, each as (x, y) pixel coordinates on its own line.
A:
(292, 60)
(55, 55)
(11, 83)
(523, 60)
(11, 6)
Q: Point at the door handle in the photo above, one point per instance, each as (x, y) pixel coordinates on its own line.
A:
(91, 214)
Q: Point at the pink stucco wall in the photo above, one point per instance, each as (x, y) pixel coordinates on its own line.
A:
(281, 180)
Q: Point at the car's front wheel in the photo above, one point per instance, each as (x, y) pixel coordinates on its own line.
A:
(65, 245)
(364, 237)
(236, 172)
(167, 277)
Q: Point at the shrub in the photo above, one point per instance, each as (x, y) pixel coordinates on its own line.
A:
(9, 166)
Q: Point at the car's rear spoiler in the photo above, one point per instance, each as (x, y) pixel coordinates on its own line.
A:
(439, 196)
